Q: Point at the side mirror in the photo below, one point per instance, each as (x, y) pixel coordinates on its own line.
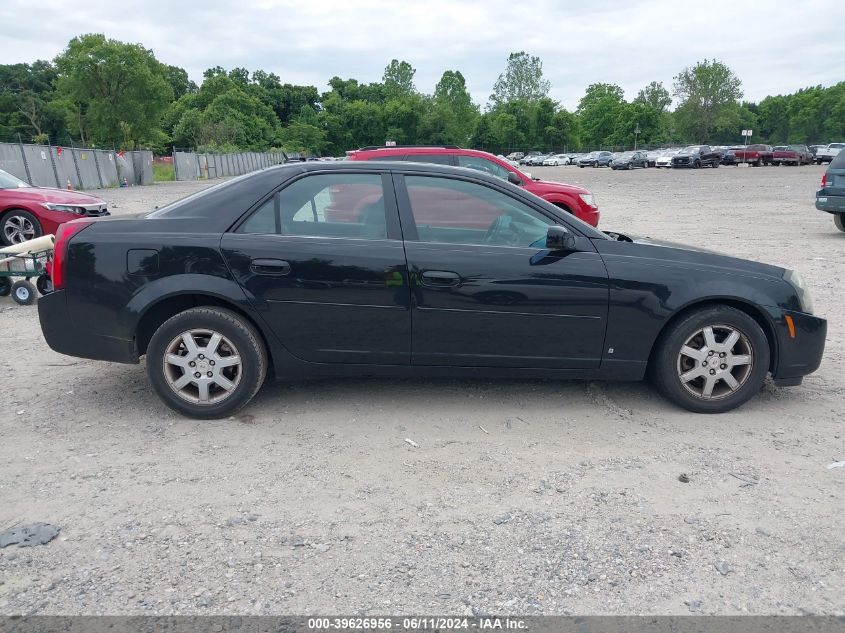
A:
(514, 179)
(559, 239)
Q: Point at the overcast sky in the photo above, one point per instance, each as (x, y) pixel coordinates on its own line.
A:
(774, 46)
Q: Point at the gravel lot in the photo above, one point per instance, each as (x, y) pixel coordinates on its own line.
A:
(567, 501)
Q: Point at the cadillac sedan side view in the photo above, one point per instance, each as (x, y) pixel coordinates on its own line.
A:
(408, 269)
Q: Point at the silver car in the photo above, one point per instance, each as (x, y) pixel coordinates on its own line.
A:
(557, 159)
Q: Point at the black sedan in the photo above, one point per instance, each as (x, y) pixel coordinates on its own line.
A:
(629, 160)
(405, 269)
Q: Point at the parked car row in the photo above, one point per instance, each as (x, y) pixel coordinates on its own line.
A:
(694, 156)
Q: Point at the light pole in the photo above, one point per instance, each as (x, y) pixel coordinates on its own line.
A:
(636, 134)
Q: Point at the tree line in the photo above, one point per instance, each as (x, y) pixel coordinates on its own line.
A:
(101, 92)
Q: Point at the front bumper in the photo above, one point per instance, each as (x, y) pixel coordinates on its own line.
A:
(802, 353)
(64, 337)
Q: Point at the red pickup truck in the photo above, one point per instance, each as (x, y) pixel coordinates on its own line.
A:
(792, 155)
(758, 155)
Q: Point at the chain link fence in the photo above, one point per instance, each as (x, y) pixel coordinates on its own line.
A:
(56, 166)
(190, 165)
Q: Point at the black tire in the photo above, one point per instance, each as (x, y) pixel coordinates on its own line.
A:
(5, 286)
(759, 162)
(839, 221)
(44, 284)
(665, 363)
(696, 165)
(21, 216)
(581, 166)
(247, 344)
(23, 293)
(716, 164)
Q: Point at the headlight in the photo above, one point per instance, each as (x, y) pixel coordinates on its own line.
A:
(64, 208)
(588, 198)
(797, 282)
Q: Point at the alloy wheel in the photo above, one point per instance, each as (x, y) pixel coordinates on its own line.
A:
(202, 366)
(715, 362)
(17, 229)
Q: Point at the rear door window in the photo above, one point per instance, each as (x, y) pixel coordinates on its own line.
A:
(324, 205)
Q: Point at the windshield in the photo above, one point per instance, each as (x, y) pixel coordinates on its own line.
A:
(692, 149)
(625, 155)
(8, 181)
(797, 148)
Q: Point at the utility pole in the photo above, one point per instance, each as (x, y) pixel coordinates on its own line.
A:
(636, 135)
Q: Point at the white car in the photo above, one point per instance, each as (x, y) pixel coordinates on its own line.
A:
(665, 159)
(557, 159)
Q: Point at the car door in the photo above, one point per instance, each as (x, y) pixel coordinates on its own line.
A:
(485, 291)
(323, 262)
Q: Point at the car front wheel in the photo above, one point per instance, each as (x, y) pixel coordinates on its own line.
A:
(206, 362)
(19, 226)
(712, 360)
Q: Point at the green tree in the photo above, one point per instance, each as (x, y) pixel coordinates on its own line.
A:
(450, 115)
(522, 79)
(708, 93)
(599, 113)
(179, 81)
(655, 96)
(113, 85)
(28, 104)
(398, 78)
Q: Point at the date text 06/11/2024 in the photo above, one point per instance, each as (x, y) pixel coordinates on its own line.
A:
(416, 623)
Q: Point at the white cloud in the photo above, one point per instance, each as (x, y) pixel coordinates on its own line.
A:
(775, 47)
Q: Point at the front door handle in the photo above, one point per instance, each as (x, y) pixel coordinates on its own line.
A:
(440, 279)
(276, 267)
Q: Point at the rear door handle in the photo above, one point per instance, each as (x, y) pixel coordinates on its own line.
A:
(440, 279)
(276, 267)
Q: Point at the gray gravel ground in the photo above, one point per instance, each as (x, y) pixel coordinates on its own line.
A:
(311, 501)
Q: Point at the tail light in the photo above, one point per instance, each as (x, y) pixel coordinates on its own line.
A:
(63, 236)
(824, 180)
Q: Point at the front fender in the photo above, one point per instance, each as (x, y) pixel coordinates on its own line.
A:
(559, 199)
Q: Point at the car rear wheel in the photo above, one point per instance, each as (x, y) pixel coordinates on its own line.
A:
(206, 362)
(839, 221)
(19, 226)
(712, 360)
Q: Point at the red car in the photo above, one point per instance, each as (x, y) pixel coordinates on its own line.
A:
(575, 200)
(757, 154)
(27, 212)
(792, 155)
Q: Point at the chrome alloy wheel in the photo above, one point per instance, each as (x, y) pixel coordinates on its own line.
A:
(17, 229)
(715, 362)
(202, 366)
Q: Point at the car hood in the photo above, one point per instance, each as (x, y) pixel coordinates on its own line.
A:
(552, 187)
(57, 196)
(684, 155)
(669, 251)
